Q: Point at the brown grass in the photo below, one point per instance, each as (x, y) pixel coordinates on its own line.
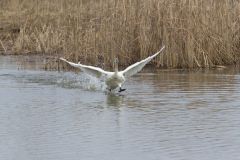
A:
(197, 33)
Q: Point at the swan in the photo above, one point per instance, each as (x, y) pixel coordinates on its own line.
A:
(114, 79)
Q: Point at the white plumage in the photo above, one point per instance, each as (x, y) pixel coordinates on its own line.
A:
(114, 79)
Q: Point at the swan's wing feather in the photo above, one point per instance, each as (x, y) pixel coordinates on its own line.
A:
(138, 66)
(94, 71)
(71, 63)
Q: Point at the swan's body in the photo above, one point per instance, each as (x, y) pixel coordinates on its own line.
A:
(114, 79)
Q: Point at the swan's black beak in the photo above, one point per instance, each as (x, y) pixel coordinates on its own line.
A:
(121, 90)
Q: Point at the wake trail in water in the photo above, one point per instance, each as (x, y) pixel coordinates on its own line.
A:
(61, 79)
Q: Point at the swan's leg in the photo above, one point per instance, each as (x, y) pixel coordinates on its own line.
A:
(121, 90)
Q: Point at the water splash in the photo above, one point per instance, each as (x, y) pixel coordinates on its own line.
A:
(83, 81)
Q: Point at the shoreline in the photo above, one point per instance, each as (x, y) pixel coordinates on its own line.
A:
(196, 34)
(51, 63)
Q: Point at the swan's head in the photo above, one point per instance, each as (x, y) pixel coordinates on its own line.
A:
(115, 64)
(116, 61)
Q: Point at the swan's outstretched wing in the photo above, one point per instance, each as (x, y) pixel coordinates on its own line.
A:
(94, 71)
(138, 66)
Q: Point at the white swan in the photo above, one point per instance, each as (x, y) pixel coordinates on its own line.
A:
(114, 79)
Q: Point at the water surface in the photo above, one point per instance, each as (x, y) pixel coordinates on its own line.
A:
(168, 114)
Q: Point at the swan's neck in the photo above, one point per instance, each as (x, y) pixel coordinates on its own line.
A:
(116, 68)
(115, 65)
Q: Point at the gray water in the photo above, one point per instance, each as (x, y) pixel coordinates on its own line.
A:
(168, 114)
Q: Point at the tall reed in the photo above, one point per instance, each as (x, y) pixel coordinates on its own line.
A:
(197, 33)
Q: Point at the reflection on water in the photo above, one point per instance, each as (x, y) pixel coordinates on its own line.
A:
(114, 99)
(169, 114)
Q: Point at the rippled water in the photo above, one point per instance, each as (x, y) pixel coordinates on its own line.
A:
(169, 114)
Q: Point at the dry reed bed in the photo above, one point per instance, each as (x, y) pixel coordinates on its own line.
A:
(197, 33)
